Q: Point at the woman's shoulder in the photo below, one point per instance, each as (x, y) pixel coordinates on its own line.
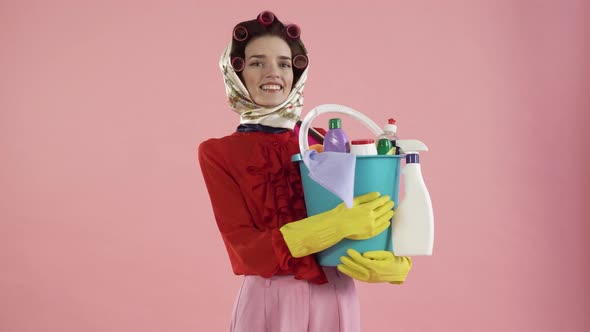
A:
(213, 143)
(213, 146)
(232, 140)
(235, 143)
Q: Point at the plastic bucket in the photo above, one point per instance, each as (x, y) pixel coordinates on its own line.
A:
(372, 173)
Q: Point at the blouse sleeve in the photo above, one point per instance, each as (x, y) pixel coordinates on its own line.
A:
(252, 251)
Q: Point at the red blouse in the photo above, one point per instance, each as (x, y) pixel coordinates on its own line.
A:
(254, 190)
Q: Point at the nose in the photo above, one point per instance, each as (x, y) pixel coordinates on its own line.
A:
(272, 70)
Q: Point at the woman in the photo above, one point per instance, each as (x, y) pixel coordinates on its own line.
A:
(258, 203)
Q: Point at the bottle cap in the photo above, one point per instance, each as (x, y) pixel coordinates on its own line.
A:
(390, 127)
(335, 123)
(362, 141)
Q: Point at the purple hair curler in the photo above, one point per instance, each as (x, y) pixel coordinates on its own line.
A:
(293, 31)
(240, 33)
(266, 17)
(300, 61)
(238, 64)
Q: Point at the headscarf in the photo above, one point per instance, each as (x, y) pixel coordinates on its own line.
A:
(284, 115)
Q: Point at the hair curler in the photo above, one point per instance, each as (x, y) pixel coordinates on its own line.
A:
(300, 61)
(237, 64)
(293, 31)
(266, 17)
(240, 33)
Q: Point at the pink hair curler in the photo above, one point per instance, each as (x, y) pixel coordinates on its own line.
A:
(240, 33)
(300, 61)
(238, 64)
(293, 31)
(266, 17)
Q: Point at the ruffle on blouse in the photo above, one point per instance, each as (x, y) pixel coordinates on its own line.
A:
(277, 181)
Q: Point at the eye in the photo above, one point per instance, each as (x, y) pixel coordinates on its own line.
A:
(286, 65)
(255, 64)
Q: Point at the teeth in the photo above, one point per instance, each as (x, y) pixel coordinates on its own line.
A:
(270, 87)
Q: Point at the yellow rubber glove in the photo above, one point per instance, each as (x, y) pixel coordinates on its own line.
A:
(369, 216)
(375, 266)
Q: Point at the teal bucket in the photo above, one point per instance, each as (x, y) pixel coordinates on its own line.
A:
(372, 173)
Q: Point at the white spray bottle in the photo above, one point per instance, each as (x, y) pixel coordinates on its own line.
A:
(413, 222)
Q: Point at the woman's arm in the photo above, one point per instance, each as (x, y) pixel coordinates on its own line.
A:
(251, 250)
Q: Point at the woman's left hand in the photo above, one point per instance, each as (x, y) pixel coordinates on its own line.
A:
(375, 266)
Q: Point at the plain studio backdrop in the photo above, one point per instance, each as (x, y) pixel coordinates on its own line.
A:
(105, 222)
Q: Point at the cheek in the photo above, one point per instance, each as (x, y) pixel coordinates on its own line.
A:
(249, 80)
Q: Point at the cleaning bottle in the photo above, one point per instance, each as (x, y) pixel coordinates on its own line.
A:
(384, 146)
(363, 147)
(336, 139)
(389, 132)
(413, 222)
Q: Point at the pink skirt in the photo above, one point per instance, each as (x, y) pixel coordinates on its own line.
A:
(284, 304)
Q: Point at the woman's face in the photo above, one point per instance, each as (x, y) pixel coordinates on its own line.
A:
(268, 74)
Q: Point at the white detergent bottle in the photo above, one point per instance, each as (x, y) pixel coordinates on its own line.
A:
(413, 221)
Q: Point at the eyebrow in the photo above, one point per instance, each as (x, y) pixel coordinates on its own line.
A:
(262, 56)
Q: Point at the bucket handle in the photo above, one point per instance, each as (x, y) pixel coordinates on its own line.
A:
(332, 108)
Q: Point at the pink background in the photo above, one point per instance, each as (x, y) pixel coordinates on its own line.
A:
(105, 223)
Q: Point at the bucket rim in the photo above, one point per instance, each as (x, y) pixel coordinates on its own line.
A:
(298, 157)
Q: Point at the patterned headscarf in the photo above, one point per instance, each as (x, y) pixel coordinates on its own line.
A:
(284, 115)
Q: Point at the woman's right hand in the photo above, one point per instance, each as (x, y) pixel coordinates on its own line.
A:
(368, 217)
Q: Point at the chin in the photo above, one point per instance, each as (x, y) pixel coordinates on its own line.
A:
(271, 103)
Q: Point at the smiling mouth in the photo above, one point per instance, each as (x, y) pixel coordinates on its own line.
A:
(271, 88)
